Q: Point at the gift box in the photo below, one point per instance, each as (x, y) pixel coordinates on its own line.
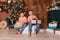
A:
(52, 25)
(36, 21)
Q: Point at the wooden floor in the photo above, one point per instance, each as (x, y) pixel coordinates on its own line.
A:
(6, 34)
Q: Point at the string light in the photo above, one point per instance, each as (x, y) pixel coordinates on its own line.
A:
(9, 1)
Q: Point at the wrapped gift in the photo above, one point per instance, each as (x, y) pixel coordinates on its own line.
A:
(33, 21)
(52, 25)
(39, 21)
(36, 21)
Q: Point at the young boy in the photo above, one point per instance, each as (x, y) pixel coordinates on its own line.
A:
(30, 18)
(23, 20)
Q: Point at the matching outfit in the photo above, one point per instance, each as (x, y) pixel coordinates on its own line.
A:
(33, 17)
(24, 21)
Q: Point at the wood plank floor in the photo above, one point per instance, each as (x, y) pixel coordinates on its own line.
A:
(6, 34)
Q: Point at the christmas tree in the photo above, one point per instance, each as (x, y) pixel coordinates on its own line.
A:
(16, 8)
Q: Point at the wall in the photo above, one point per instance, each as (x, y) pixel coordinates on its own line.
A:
(4, 15)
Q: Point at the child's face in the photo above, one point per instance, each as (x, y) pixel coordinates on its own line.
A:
(30, 12)
(21, 14)
(0, 9)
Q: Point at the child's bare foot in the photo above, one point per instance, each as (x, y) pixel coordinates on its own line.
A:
(29, 35)
(18, 33)
(35, 34)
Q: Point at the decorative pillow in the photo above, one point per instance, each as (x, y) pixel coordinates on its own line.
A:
(3, 24)
(18, 25)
